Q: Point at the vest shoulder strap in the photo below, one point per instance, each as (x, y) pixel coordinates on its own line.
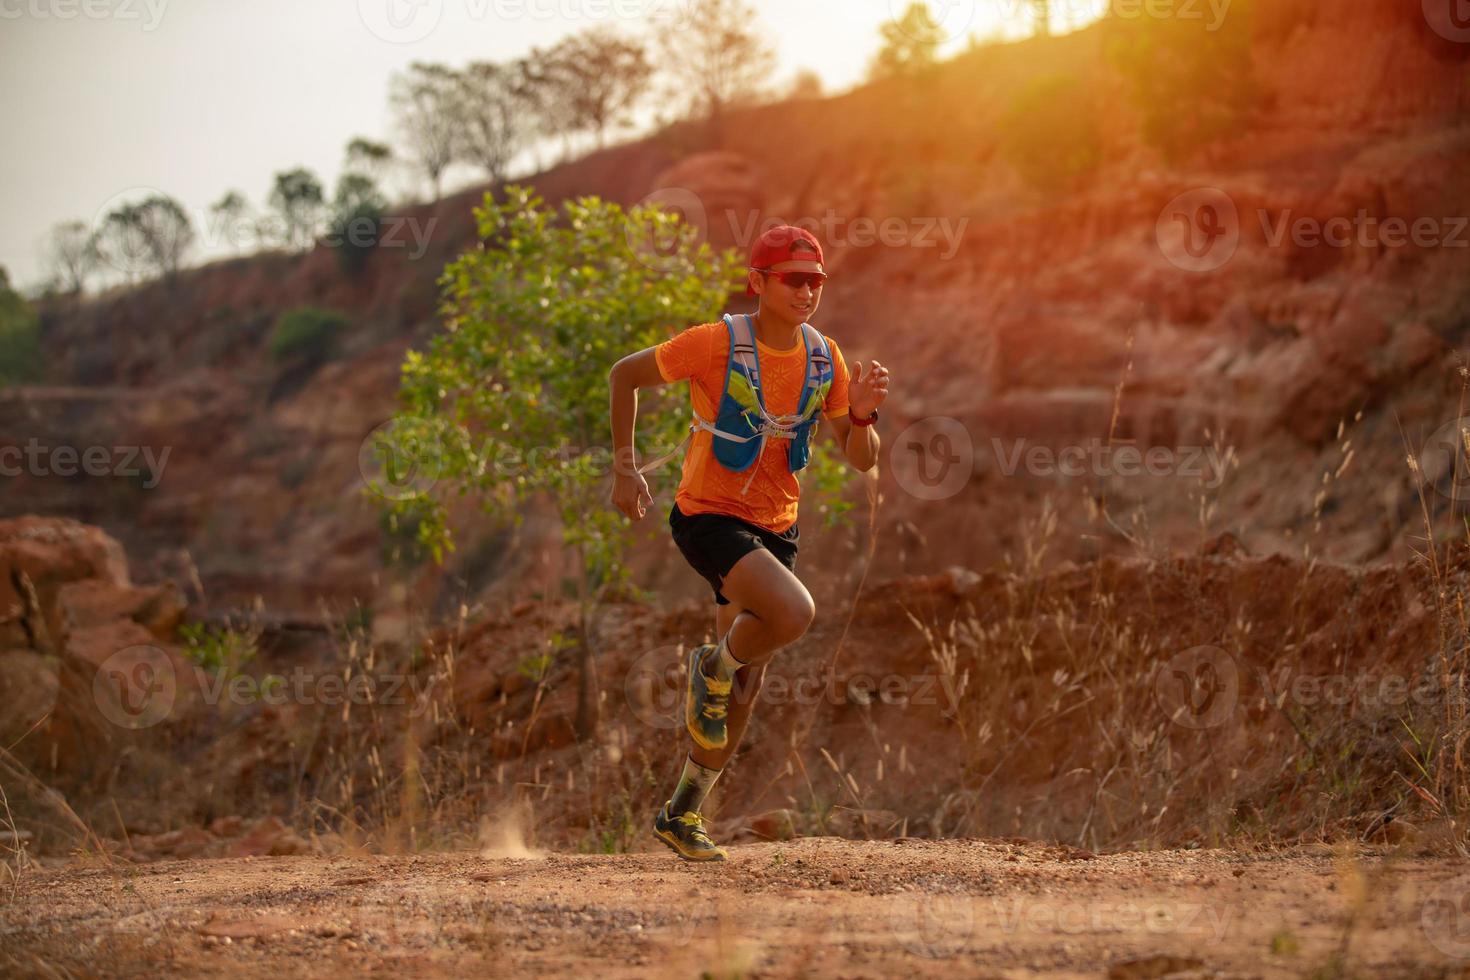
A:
(742, 347)
(816, 344)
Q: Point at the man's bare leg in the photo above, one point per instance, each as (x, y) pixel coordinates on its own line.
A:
(776, 608)
(768, 608)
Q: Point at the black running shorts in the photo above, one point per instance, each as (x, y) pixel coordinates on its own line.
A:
(713, 543)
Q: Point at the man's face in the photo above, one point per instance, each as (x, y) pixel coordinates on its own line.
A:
(796, 305)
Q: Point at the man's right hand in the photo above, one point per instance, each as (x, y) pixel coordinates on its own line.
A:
(630, 495)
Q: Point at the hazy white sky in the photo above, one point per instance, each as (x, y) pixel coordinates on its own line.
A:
(194, 97)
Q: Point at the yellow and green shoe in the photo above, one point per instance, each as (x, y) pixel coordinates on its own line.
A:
(706, 703)
(686, 835)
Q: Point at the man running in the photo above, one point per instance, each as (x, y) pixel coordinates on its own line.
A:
(759, 385)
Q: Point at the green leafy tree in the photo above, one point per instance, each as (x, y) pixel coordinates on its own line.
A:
(20, 337)
(510, 401)
(1193, 86)
(306, 334)
(369, 158)
(299, 201)
(910, 44)
(357, 218)
(1048, 135)
(231, 219)
(516, 385)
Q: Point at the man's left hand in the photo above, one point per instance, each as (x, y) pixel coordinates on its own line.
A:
(868, 390)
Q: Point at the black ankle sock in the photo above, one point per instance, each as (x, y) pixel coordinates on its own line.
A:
(694, 786)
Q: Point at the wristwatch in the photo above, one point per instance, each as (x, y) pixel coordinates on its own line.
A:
(867, 421)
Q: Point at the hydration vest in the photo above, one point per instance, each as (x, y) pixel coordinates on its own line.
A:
(742, 424)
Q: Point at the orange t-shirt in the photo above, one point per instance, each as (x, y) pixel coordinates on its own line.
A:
(700, 356)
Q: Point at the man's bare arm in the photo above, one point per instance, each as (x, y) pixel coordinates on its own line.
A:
(630, 491)
(858, 442)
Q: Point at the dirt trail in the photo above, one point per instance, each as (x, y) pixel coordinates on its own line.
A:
(819, 907)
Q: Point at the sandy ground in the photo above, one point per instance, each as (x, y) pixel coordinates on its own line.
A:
(820, 907)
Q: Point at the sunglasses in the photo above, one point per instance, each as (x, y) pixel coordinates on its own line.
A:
(798, 279)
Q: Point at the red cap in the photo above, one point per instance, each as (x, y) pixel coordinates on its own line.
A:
(774, 247)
